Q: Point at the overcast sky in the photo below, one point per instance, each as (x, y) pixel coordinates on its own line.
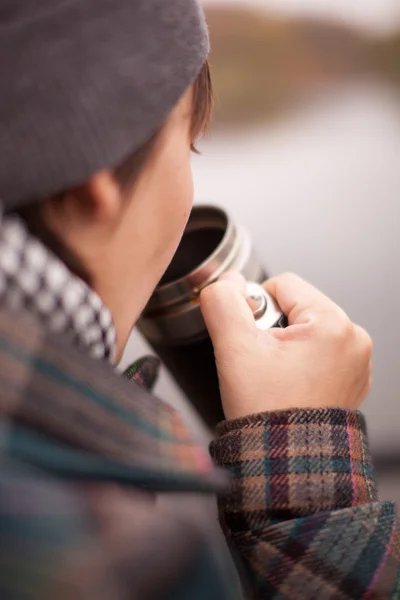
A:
(370, 13)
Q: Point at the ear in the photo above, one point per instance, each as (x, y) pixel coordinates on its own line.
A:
(104, 195)
(98, 200)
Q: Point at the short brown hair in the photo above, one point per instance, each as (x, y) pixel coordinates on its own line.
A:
(126, 174)
(128, 171)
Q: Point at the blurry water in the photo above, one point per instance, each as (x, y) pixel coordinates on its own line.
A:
(320, 193)
(372, 14)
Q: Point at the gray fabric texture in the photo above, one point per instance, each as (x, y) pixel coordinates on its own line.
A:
(84, 83)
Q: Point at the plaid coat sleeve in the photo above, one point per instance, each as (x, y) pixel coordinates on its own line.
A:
(303, 511)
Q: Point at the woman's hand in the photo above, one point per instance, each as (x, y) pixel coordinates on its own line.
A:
(321, 360)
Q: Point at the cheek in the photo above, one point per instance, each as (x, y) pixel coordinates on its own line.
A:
(182, 182)
(178, 199)
(165, 202)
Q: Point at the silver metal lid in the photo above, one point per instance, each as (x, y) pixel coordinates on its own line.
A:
(266, 311)
(217, 245)
(203, 218)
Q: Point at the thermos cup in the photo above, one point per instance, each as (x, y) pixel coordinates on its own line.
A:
(172, 322)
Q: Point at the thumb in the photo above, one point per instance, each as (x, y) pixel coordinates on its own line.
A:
(226, 312)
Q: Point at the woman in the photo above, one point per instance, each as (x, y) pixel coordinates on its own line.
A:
(101, 104)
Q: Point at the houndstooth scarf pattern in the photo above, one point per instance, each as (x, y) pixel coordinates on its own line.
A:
(35, 280)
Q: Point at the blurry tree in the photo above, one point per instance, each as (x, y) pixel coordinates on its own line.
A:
(263, 65)
(387, 53)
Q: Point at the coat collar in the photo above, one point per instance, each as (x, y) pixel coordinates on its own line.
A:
(33, 279)
(72, 415)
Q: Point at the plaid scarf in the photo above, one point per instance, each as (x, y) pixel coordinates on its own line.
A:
(33, 279)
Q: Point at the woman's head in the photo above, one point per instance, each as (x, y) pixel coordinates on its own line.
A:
(120, 224)
(120, 229)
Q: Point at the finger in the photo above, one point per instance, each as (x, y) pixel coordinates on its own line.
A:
(226, 312)
(299, 300)
(235, 278)
(297, 332)
(238, 279)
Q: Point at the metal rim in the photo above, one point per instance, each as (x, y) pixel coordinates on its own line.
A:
(185, 287)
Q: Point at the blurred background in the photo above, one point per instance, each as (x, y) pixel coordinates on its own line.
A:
(305, 152)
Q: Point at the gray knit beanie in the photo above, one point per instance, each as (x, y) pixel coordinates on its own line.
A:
(84, 83)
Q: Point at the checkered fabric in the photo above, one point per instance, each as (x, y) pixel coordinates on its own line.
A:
(33, 279)
(303, 510)
(297, 462)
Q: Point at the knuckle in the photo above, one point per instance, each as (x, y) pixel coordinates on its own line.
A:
(348, 328)
(343, 328)
(366, 343)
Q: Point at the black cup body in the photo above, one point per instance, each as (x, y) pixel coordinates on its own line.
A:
(172, 322)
